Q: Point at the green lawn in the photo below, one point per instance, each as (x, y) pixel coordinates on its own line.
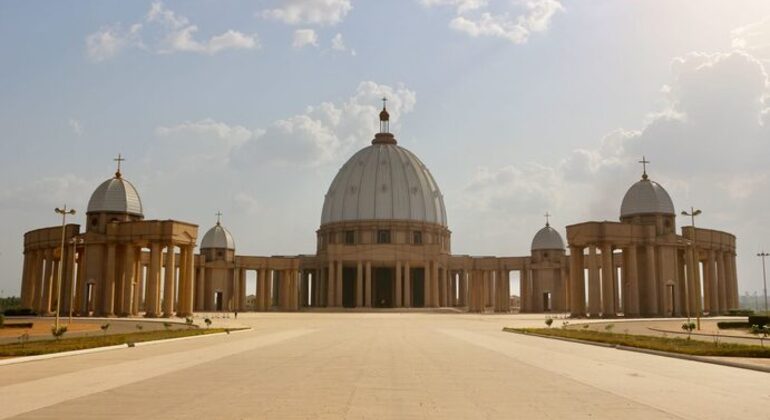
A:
(672, 345)
(33, 348)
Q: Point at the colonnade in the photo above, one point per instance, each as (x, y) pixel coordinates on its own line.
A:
(650, 280)
(489, 288)
(40, 286)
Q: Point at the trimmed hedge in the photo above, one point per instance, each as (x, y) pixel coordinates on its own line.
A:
(17, 325)
(20, 312)
(760, 320)
(740, 312)
(733, 325)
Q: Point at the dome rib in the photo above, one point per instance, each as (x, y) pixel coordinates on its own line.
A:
(116, 195)
(384, 188)
(218, 238)
(547, 238)
(646, 197)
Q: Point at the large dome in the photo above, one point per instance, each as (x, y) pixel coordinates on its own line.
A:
(116, 195)
(218, 237)
(547, 238)
(646, 197)
(384, 182)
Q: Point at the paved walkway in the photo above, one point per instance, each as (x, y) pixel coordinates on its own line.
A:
(400, 366)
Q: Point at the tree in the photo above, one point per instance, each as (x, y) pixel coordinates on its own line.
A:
(208, 322)
(688, 326)
(58, 332)
(761, 331)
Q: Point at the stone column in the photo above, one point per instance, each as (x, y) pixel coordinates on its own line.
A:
(407, 285)
(108, 308)
(608, 282)
(45, 302)
(81, 287)
(242, 291)
(577, 282)
(713, 284)
(442, 288)
(651, 283)
(368, 285)
(200, 285)
(25, 281)
(463, 286)
(722, 281)
(732, 283)
(359, 285)
(191, 280)
(525, 297)
(169, 282)
(398, 284)
(434, 285)
(594, 286)
(138, 284)
(129, 259)
(263, 289)
(338, 285)
(151, 303)
(696, 296)
(35, 289)
(631, 282)
(330, 285)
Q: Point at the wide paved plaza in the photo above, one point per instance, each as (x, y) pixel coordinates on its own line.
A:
(378, 365)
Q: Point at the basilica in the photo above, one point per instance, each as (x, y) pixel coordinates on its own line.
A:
(383, 242)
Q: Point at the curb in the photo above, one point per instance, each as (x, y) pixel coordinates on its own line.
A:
(651, 352)
(26, 359)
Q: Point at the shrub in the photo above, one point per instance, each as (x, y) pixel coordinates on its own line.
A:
(26, 325)
(188, 320)
(105, 327)
(732, 325)
(760, 320)
(20, 312)
(208, 322)
(740, 312)
(167, 325)
(139, 327)
(549, 321)
(609, 327)
(761, 331)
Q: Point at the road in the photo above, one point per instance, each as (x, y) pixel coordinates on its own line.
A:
(387, 365)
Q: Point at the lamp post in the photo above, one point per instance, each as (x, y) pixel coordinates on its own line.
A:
(75, 242)
(691, 214)
(64, 211)
(762, 255)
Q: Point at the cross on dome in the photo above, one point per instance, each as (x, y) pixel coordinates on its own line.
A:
(219, 216)
(547, 219)
(644, 163)
(118, 159)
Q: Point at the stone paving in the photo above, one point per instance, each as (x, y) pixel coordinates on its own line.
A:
(378, 365)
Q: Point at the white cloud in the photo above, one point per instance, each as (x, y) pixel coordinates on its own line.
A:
(317, 12)
(177, 35)
(205, 143)
(76, 126)
(109, 41)
(710, 125)
(474, 18)
(753, 38)
(304, 37)
(330, 131)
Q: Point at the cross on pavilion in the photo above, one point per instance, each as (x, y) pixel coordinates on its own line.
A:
(118, 159)
(644, 163)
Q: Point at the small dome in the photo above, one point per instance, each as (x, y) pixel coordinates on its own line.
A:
(218, 237)
(646, 197)
(384, 181)
(547, 238)
(116, 195)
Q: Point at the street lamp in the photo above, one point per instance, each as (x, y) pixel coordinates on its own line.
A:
(75, 242)
(691, 214)
(64, 211)
(762, 255)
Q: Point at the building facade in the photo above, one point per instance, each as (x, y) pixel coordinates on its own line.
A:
(383, 242)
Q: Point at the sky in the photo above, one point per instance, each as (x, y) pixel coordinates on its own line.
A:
(517, 108)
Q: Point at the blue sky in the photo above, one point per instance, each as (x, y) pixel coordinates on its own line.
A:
(516, 107)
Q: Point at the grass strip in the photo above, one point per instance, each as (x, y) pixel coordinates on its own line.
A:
(34, 348)
(671, 345)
